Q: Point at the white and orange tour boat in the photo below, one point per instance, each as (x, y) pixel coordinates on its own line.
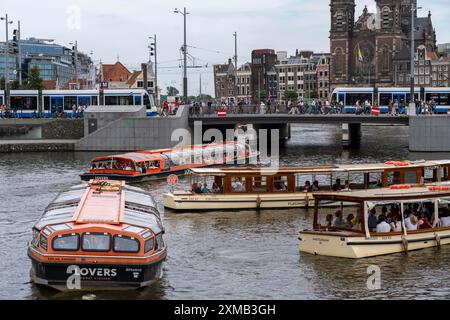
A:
(103, 235)
(146, 165)
(237, 188)
(384, 221)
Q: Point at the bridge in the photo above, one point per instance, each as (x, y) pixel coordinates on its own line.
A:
(351, 123)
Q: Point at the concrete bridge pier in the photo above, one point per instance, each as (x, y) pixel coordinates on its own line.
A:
(351, 135)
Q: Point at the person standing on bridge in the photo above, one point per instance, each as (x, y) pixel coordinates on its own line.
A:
(262, 108)
(395, 108)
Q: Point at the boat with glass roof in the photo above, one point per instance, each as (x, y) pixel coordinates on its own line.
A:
(153, 164)
(101, 235)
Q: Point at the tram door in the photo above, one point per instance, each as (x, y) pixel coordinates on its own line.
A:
(401, 99)
(56, 104)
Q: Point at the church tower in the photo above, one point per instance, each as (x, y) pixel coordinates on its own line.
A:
(342, 24)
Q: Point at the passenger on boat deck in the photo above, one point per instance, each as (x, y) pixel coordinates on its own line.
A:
(424, 223)
(347, 186)
(383, 226)
(196, 188)
(338, 220)
(307, 187)
(329, 220)
(372, 221)
(396, 223)
(237, 185)
(205, 188)
(350, 220)
(411, 222)
(315, 186)
(215, 188)
(337, 186)
(445, 218)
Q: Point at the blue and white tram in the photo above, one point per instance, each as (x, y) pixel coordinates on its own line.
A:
(24, 103)
(381, 96)
(441, 98)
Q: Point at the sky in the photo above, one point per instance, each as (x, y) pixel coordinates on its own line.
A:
(119, 29)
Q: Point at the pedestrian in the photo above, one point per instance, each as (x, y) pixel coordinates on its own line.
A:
(262, 108)
(395, 108)
(74, 111)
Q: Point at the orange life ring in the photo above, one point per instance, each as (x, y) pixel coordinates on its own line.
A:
(398, 163)
(400, 187)
(439, 188)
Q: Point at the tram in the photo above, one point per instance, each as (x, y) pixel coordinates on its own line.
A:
(382, 96)
(25, 102)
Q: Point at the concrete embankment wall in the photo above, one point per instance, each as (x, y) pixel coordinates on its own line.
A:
(37, 146)
(128, 134)
(63, 129)
(429, 134)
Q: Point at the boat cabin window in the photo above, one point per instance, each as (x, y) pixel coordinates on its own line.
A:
(43, 242)
(411, 177)
(159, 242)
(430, 175)
(280, 184)
(393, 177)
(260, 184)
(126, 244)
(238, 184)
(96, 242)
(66, 242)
(149, 245)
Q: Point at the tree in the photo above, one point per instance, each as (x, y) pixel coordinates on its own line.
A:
(290, 95)
(263, 95)
(172, 91)
(34, 80)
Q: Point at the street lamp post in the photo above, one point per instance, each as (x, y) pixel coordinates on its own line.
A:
(153, 46)
(185, 80)
(75, 53)
(236, 88)
(7, 95)
(412, 102)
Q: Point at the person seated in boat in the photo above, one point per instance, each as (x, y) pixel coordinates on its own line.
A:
(396, 222)
(237, 185)
(445, 218)
(307, 187)
(215, 188)
(424, 223)
(205, 188)
(196, 188)
(329, 220)
(281, 186)
(350, 220)
(315, 186)
(383, 226)
(338, 220)
(411, 222)
(337, 186)
(372, 221)
(347, 186)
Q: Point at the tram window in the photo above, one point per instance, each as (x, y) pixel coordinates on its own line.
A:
(408, 96)
(69, 102)
(96, 242)
(47, 103)
(68, 242)
(1, 100)
(126, 244)
(353, 97)
(149, 245)
(94, 100)
(24, 103)
(441, 98)
(385, 99)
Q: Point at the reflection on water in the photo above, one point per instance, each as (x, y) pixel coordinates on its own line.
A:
(226, 255)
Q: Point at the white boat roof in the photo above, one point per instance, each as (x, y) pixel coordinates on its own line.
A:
(350, 168)
(415, 192)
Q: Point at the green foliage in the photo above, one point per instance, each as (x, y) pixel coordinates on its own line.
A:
(172, 91)
(34, 80)
(290, 95)
(263, 95)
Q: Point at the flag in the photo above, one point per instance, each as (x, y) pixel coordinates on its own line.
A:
(360, 56)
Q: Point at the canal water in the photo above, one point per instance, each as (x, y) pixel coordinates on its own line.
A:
(227, 255)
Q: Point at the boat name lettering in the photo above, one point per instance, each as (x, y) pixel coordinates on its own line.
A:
(97, 272)
(321, 240)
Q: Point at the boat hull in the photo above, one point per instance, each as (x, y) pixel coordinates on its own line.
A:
(95, 276)
(211, 202)
(324, 244)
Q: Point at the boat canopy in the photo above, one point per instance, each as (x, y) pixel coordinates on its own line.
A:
(348, 168)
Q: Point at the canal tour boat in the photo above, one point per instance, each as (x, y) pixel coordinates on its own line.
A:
(104, 235)
(413, 218)
(147, 165)
(283, 188)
